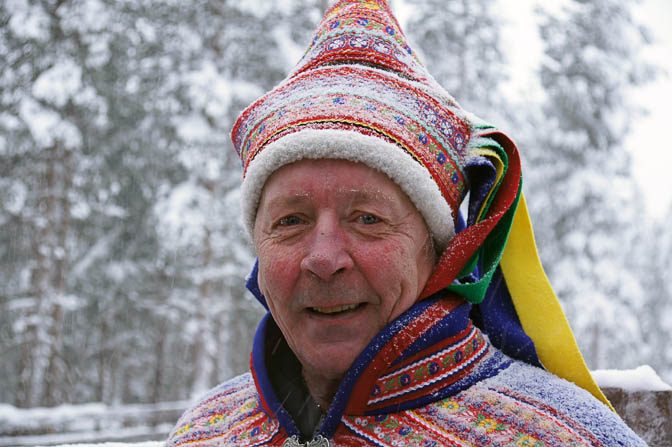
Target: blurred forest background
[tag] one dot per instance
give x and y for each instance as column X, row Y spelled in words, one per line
column 121, row 255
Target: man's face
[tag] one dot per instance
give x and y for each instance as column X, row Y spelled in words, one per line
column 342, row 252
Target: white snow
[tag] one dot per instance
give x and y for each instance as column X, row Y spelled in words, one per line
column 643, row 378
column 88, row 15
column 193, row 127
column 650, row 159
column 212, row 92
column 67, row 440
column 118, row 444
column 28, row 20
column 47, row 126
column 17, row 193
column 88, row 424
column 184, row 214
column 59, row 83
column 290, row 51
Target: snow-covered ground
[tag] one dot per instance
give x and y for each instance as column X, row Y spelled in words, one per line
column 82, row 439
column 89, row 423
column 643, row 378
column 118, row 444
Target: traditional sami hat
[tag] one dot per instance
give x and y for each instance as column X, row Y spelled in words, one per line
column 360, row 93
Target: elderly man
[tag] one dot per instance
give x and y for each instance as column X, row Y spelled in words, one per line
column 392, row 321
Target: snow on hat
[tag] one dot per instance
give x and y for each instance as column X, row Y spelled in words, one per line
column 360, row 93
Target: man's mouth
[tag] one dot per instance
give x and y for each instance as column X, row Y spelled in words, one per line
column 335, row 309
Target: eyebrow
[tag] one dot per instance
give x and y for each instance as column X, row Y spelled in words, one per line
column 285, row 200
column 366, row 195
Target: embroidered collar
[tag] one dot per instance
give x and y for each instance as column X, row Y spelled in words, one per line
column 430, row 352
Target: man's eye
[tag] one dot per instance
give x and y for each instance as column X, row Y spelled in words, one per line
column 289, row 221
column 368, row 219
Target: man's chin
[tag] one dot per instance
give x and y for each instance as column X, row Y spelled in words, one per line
column 331, row 363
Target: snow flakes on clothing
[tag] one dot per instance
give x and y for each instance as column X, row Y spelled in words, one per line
column 522, row 405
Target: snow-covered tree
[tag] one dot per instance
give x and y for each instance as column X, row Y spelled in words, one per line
column 122, row 260
column 238, row 53
column 585, row 201
column 654, row 262
column 44, row 95
column 461, row 48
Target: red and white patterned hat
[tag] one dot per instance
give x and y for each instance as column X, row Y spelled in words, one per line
column 360, row 93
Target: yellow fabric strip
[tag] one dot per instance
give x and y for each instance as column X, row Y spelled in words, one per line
column 496, row 160
column 538, row 308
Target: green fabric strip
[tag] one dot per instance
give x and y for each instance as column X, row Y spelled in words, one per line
column 486, row 143
column 490, row 254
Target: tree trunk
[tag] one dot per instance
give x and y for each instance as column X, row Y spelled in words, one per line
column 23, row 391
column 158, row 368
column 102, row 364
column 55, row 372
column 39, row 328
column 204, row 362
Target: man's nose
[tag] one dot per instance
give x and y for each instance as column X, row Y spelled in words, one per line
column 327, row 253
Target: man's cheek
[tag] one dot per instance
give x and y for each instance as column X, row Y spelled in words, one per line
column 275, row 273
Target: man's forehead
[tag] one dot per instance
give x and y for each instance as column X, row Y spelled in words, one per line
column 296, row 194
column 310, row 178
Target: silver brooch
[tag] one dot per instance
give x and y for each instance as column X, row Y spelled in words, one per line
column 320, row 441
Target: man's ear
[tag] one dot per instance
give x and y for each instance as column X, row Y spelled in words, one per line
column 261, row 283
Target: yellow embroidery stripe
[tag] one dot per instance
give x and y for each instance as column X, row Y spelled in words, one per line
column 495, row 159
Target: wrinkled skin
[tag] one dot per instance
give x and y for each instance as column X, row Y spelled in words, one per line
column 342, row 252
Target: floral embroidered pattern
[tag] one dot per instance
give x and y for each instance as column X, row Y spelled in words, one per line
column 377, row 39
column 482, row 417
column 372, row 23
column 477, row 417
column 341, row 42
column 234, row 419
column 389, row 430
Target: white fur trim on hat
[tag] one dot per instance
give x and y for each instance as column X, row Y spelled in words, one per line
column 374, row 152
